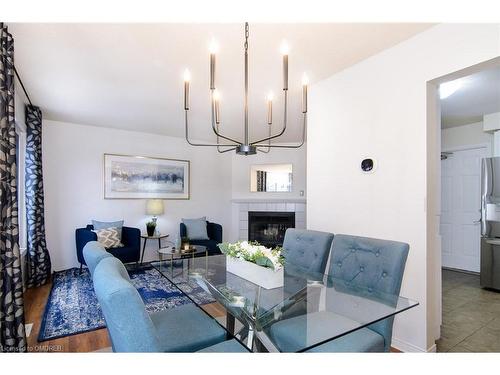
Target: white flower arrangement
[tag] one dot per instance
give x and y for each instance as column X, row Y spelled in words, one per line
column 255, row 253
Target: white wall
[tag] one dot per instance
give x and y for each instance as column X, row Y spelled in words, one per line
column 73, row 177
column 465, row 135
column 378, row 108
column 241, row 173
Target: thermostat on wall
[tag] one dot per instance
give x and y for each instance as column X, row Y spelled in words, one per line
column 368, row 165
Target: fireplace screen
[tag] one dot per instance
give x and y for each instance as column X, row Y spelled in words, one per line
column 268, row 228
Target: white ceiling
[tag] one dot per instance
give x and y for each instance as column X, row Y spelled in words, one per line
column 478, row 95
column 129, row 76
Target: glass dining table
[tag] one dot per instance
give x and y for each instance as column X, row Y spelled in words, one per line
column 316, row 308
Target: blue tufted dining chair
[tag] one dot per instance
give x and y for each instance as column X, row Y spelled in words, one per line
column 372, row 265
column 93, row 252
column 307, row 249
column 131, row 328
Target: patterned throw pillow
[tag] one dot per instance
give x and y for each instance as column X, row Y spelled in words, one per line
column 109, row 237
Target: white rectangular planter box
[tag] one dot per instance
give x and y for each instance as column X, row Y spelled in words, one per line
column 265, row 277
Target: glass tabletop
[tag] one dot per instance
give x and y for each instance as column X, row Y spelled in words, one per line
column 195, row 249
column 305, row 311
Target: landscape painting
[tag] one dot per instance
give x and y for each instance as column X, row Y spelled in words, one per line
column 129, row 177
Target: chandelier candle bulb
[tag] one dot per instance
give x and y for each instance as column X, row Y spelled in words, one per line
column 284, row 51
column 270, row 108
column 213, row 50
column 187, row 78
column 305, row 81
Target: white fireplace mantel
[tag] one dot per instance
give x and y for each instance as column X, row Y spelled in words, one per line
column 267, row 200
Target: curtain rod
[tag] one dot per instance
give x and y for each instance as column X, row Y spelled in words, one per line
column 22, row 85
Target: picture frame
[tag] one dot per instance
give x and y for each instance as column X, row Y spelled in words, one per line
column 145, row 177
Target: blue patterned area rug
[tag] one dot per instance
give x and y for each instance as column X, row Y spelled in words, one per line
column 72, row 306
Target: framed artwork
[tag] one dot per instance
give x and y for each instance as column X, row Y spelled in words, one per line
column 141, row 177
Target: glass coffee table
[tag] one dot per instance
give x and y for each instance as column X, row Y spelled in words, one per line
column 171, row 254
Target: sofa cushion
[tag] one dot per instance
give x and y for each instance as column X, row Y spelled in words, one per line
column 196, row 229
column 107, row 224
column 109, row 237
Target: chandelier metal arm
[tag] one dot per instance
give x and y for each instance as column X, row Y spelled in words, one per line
column 215, row 127
column 227, row 150
column 284, row 123
column 269, row 143
column 202, row 144
column 290, row 146
column 219, row 147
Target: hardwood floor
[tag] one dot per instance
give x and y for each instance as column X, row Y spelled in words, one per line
column 98, row 340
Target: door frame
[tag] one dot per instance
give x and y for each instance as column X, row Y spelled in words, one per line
column 475, row 146
column 433, row 199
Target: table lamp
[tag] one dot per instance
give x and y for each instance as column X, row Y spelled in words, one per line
column 154, row 207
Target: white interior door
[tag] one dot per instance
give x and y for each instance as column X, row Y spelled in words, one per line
column 460, row 209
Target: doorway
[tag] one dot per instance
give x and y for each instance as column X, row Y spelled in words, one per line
column 470, row 313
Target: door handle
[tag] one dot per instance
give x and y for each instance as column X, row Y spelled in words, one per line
column 476, row 222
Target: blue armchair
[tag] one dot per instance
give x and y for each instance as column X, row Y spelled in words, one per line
column 131, row 328
column 358, row 263
column 130, row 252
column 214, row 232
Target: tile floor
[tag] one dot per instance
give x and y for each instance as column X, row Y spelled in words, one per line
column 471, row 315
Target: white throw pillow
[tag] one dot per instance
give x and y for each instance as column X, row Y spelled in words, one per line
column 109, row 237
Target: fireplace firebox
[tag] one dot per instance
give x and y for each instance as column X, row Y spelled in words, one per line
column 268, row 228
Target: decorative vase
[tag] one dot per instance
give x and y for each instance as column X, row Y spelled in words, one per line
column 151, row 230
column 265, row 277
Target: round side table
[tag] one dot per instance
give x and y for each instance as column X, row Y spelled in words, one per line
column 154, row 237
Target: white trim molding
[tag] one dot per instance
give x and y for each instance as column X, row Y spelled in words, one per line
column 406, row 347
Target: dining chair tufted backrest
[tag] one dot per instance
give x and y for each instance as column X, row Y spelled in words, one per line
column 129, row 325
column 307, row 249
column 93, row 253
column 371, row 264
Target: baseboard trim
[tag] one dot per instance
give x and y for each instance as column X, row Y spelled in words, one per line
column 406, row 347
column 461, row 271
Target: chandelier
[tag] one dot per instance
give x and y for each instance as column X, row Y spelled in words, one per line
column 246, row 147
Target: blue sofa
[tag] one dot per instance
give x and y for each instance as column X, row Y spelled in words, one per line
column 214, row 232
column 131, row 239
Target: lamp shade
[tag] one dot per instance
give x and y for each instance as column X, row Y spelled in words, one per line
column 154, row 207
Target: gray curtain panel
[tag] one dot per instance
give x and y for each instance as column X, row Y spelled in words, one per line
column 12, row 334
column 38, row 256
